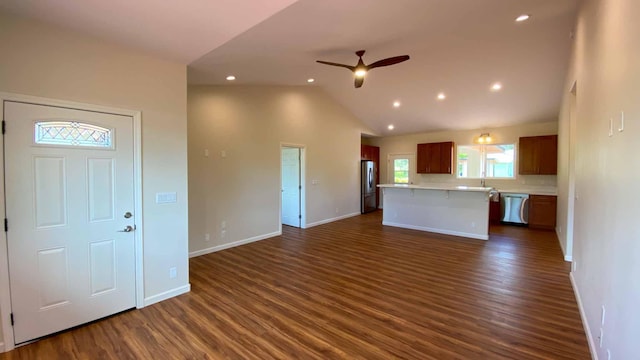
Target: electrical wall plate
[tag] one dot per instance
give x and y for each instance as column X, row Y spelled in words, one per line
column 166, row 197
column 621, row 128
column 610, row 127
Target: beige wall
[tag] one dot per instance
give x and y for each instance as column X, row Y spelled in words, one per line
column 566, row 168
column 249, row 123
column 504, row 135
column 43, row 61
column 606, row 252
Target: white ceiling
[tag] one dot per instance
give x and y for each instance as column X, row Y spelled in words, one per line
column 459, row 47
column 175, row 30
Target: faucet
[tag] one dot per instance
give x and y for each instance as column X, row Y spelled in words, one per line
column 482, row 182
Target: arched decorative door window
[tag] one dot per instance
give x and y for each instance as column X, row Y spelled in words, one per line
column 72, row 133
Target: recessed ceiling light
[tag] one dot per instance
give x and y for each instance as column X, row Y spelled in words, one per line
column 390, row 127
column 496, row 87
column 442, row 96
column 231, row 77
column 523, row 17
column 396, row 104
column 310, row 80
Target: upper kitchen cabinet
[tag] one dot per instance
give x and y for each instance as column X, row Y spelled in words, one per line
column 435, row 158
column 368, row 152
column 538, row 155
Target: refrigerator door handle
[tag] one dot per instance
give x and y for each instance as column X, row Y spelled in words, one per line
column 370, row 178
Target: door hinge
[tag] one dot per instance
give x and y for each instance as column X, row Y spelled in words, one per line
column 4, row 126
column 299, row 187
column 6, row 224
column 12, row 322
column 300, row 217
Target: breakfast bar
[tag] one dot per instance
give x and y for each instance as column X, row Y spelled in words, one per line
column 452, row 210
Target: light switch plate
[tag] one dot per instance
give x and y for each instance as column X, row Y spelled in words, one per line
column 166, row 197
column 621, row 128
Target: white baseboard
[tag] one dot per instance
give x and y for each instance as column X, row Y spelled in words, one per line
column 233, row 244
column 439, row 231
column 585, row 324
column 167, row 295
column 564, row 252
column 262, row 237
column 326, row 221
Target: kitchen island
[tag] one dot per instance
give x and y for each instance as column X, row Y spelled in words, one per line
column 452, row 210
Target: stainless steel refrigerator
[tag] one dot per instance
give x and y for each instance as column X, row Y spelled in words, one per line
column 367, row 186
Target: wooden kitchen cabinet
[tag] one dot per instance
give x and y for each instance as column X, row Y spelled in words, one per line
column 538, row 155
column 494, row 212
column 369, row 152
column 542, row 212
column 435, row 158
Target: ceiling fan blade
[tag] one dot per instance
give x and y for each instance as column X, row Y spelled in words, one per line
column 352, row 68
column 359, row 81
column 389, row 61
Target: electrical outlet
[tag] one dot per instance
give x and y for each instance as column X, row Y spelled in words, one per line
column 223, row 233
column 206, row 152
column 207, row 237
column 173, row 272
column 223, row 225
column 602, row 315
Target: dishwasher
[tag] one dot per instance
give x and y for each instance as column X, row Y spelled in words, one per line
column 514, row 208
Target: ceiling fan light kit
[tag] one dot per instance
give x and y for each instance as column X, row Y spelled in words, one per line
column 360, row 69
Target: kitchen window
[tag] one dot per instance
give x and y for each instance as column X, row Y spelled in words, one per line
column 486, row 161
column 399, row 169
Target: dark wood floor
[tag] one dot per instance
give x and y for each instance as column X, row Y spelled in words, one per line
column 353, row 289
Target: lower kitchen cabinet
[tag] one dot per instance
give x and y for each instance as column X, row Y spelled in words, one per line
column 542, row 212
column 494, row 212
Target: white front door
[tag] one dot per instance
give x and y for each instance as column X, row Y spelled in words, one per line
column 69, row 204
column 291, row 186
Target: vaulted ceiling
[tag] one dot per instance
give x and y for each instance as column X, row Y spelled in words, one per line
column 457, row 47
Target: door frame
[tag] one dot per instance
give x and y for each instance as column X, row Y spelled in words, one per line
column 303, row 197
column 136, row 115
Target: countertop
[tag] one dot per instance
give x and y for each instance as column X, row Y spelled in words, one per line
column 533, row 190
column 437, row 187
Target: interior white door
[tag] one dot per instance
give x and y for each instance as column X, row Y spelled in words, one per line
column 291, row 186
column 69, row 202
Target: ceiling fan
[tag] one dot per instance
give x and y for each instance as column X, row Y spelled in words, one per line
column 360, row 70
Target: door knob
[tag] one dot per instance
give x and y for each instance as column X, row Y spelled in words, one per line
column 127, row 215
column 128, row 228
